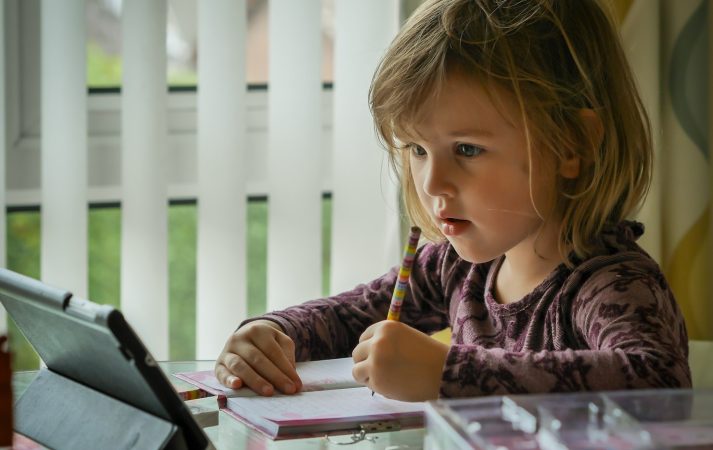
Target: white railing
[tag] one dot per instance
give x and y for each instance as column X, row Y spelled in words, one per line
column 221, row 279
column 217, row 146
column 64, row 147
column 144, row 233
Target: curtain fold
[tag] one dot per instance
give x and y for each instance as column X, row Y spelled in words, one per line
column 668, row 44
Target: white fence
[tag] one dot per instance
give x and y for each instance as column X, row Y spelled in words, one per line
column 144, row 146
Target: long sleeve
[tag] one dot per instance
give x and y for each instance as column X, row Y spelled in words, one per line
column 616, row 328
column 330, row 327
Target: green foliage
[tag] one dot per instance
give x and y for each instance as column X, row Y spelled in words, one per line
column 326, row 244
column 105, row 255
column 23, row 256
column 182, row 282
column 257, row 257
column 103, row 69
column 182, row 77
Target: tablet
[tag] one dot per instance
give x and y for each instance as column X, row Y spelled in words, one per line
column 94, row 346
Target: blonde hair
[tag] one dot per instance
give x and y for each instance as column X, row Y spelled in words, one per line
column 557, row 58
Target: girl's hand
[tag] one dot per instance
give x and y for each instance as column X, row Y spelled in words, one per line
column 399, row 362
column 261, row 357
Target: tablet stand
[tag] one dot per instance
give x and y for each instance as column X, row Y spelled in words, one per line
column 60, row 413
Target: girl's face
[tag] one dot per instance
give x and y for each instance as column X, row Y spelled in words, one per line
column 472, row 173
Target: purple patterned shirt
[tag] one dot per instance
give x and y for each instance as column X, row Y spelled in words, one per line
column 609, row 323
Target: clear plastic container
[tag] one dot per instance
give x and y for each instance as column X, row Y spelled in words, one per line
column 620, row 420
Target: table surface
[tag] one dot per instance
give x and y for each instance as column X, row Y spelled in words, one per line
column 232, row 434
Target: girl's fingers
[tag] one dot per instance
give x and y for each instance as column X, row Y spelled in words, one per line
column 238, row 366
column 270, row 361
column 362, row 366
column 360, row 372
column 361, row 352
column 261, row 357
column 288, row 350
column 287, row 346
column 226, row 378
column 369, row 332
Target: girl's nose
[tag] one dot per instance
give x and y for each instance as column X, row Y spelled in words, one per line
column 438, row 180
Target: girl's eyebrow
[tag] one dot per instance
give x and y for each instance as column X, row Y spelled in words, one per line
column 471, row 132
column 478, row 132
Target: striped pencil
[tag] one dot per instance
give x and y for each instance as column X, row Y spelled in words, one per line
column 404, row 273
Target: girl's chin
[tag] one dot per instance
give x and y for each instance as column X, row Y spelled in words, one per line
column 469, row 254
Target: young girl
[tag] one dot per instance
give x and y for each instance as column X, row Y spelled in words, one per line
column 522, row 146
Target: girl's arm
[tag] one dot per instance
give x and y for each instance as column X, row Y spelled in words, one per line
column 626, row 318
column 330, row 327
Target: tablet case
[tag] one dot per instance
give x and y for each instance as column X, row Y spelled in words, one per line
column 102, row 388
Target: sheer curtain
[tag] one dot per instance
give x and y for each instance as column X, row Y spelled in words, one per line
column 669, row 46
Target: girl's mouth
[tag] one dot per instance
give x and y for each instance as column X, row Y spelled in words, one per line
column 452, row 227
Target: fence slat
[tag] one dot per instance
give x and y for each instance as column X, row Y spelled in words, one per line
column 144, row 260
column 294, row 241
column 221, row 280
column 64, row 145
column 365, row 210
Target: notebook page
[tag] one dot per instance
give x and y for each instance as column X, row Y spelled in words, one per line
column 330, row 405
column 315, row 375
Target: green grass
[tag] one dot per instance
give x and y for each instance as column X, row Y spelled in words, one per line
column 257, row 258
column 182, row 226
column 104, row 70
column 23, row 256
column 104, row 255
column 326, row 243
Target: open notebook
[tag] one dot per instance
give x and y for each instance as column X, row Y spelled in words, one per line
column 330, row 400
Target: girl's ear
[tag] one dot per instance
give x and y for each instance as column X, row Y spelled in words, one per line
column 569, row 167
column 593, row 124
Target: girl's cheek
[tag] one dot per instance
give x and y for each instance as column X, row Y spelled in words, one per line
column 422, row 197
column 417, row 182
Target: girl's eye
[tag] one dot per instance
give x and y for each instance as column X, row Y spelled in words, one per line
column 417, row 150
column 469, row 150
